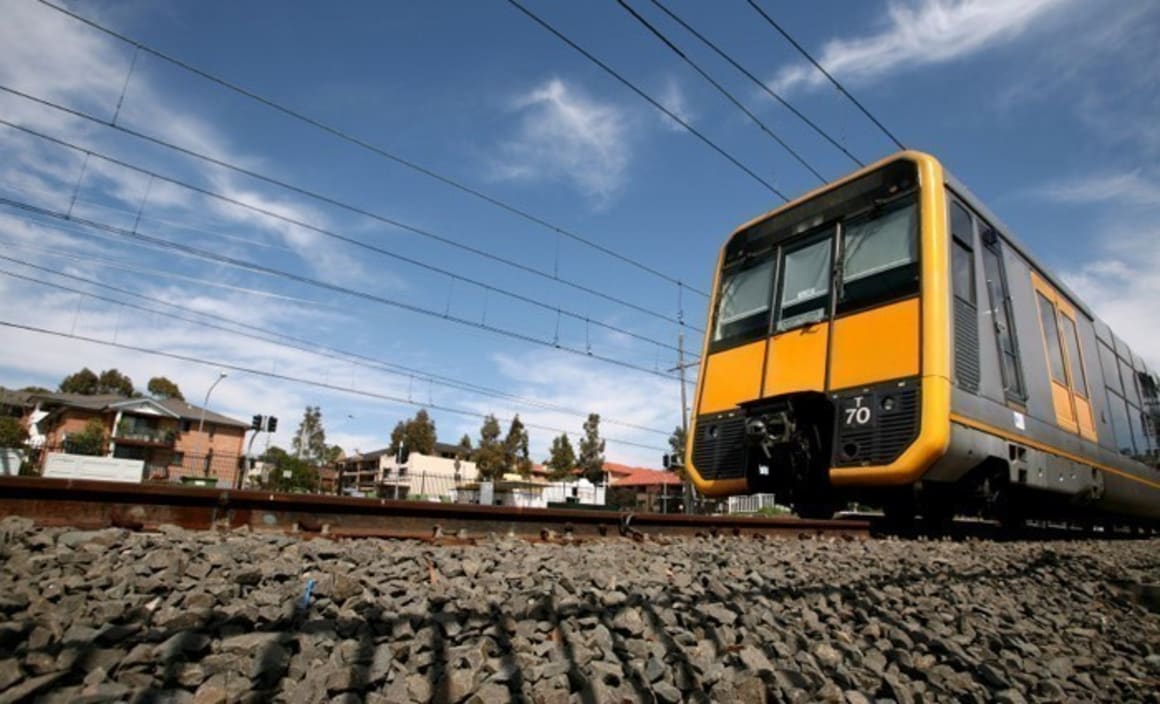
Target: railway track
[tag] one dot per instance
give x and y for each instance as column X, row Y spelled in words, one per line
column 97, row 504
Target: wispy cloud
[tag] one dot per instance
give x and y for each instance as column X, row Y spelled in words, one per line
column 672, row 96
column 1131, row 188
column 1121, row 284
column 586, row 386
column 920, row 33
column 566, row 136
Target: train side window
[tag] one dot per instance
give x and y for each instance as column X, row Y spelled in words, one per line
column 1001, row 315
column 1071, row 339
column 1121, row 425
column 963, row 265
column 1110, row 368
column 1129, row 378
column 961, row 223
column 1051, row 339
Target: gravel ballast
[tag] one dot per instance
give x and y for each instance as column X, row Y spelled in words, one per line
column 176, row 616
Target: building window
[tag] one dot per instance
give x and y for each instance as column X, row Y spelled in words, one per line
column 177, row 459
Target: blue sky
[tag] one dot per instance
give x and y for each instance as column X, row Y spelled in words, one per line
column 1048, row 109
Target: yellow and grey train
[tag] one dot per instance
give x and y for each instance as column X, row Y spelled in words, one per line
column 885, row 339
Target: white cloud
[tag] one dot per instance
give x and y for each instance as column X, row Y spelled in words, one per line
column 920, row 33
column 567, row 137
column 1132, row 188
column 672, row 96
column 1122, row 285
column 624, row 399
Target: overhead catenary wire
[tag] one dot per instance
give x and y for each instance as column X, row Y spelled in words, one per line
column 650, row 100
column 272, row 271
column 329, row 200
column 722, row 90
column 221, row 365
column 760, row 83
column 291, row 342
column 153, row 175
column 801, row 50
column 366, row 145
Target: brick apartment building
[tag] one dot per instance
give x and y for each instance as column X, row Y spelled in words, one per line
column 162, row 433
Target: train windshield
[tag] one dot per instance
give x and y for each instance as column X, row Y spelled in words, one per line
column 744, row 300
column 780, row 273
column 880, row 255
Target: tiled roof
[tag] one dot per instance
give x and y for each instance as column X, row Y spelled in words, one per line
column 648, row 477
column 100, row 402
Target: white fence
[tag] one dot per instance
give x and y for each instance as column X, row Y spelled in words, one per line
column 751, row 503
column 62, row 466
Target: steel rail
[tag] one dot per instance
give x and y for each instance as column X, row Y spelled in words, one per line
column 89, row 504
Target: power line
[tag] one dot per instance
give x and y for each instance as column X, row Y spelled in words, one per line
column 114, row 264
column 342, row 238
column 286, row 377
column 296, row 343
column 339, row 204
column 251, row 266
column 721, row 89
column 773, row 23
column 652, row 101
column 360, row 142
column 760, row 83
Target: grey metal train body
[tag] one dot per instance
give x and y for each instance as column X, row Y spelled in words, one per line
column 1044, row 394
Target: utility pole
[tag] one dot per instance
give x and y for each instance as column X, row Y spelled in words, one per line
column 680, row 369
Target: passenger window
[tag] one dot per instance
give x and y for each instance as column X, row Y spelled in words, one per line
column 1110, row 368
column 1071, row 339
column 1121, row 426
column 1051, row 339
column 1001, row 316
column 961, row 223
column 963, row 264
column 805, row 291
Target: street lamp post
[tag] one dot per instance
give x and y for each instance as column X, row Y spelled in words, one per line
column 201, row 423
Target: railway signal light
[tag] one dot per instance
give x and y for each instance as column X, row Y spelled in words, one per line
column 271, row 424
column 256, row 423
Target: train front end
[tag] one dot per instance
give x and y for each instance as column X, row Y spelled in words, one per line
column 825, row 366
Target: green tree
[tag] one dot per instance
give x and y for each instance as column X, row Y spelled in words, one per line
column 91, row 441
column 309, row 442
column 162, row 387
column 420, row 433
column 489, row 456
column 677, row 445
column 334, row 453
column 398, row 435
column 591, row 461
column 463, row 452
column 83, row 382
column 289, row 473
column 415, row 435
column 35, row 390
column 562, row 460
column 515, row 448
column 112, row 381
column 12, row 432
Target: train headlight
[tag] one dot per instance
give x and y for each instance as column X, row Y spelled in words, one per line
column 888, row 403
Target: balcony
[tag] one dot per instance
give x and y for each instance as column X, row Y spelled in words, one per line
column 145, row 437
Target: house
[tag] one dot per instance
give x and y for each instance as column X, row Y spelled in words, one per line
column 652, row 490
column 379, row 473
column 163, row 433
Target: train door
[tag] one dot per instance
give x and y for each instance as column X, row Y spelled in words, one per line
column 1065, row 362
